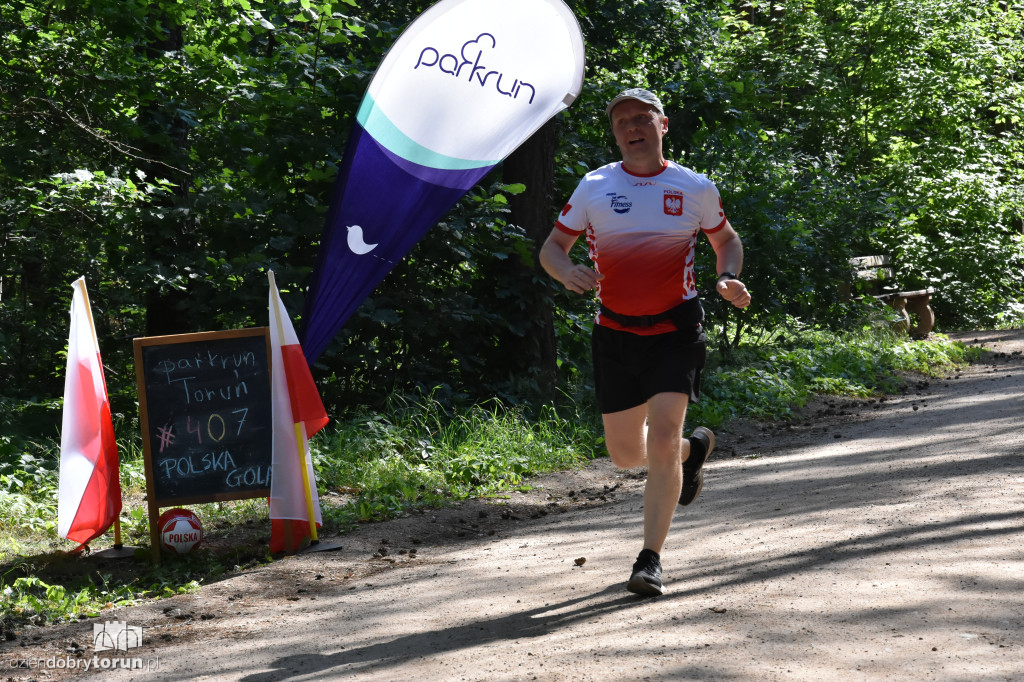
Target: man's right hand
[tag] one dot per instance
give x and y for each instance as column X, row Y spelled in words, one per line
column 580, row 278
column 554, row 258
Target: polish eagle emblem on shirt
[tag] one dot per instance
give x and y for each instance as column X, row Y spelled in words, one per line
column 673, row 203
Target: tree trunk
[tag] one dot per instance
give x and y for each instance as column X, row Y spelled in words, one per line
column 165, row 232
column 533, row 164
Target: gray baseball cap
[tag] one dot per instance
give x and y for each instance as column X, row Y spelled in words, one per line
column 639, row 94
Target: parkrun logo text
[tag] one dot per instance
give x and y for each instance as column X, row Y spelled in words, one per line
column 467, row 65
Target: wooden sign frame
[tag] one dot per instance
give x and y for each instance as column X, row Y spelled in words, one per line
column 155, row 497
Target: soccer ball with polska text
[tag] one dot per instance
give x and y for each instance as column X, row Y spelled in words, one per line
column 180, row 531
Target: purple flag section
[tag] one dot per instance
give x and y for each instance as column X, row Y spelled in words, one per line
column 344, row 277
column 462, row 87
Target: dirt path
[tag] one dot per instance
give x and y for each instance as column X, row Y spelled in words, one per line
column 874, row 540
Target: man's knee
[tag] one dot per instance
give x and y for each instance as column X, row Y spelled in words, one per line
column 664, row 447
column 625, row 436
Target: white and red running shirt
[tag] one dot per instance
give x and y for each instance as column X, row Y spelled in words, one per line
column 642, row 232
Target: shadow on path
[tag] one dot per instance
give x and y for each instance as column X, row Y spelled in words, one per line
column 536, row 622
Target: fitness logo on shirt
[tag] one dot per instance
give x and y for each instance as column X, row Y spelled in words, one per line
column 620, row 204
column 673, row 202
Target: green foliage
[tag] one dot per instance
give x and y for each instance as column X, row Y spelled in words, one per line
column 768, row 382
column 33, row 600
column 171, row 153
column 28, row 492
column 30, row 599
column 833, row 129
column 425, row 455
column 441, row 315
column 373, row 467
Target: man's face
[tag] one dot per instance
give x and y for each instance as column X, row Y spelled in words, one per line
column 638, row 129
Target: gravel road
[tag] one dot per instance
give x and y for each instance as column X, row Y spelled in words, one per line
column 869, row 540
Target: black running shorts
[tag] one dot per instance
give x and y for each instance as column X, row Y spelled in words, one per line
column 630, row 369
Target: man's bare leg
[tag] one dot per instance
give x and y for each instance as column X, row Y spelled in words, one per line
column 651, row 435
column 665, row 415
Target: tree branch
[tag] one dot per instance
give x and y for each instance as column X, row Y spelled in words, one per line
column 120, row 147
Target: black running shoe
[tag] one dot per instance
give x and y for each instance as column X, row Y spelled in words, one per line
column 646, row 577
column 702, row 444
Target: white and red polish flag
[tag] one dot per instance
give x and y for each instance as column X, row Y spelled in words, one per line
column 89, row 489
column 298, row 414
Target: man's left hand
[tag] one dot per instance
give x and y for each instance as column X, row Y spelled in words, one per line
column 734, row 291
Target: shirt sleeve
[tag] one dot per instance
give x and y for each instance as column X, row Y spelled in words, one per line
column 712, row 213
column 573, row 219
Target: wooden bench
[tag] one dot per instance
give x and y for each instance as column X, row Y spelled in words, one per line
column 874, row 276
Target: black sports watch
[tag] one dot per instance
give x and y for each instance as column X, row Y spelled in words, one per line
column 727, row 275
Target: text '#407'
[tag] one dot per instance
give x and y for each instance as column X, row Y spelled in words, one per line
column 216, row 428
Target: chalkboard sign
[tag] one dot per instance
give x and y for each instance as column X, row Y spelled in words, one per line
column 205, row 412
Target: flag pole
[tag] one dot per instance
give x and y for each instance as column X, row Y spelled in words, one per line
column 299, row 440
column 80, row 283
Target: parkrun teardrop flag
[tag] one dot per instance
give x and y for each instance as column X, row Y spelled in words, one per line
column 465, row 84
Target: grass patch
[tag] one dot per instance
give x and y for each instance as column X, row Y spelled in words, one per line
column 370, row 467
column 419, row 454
column 768, row 382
